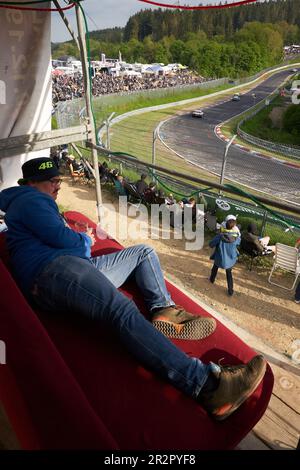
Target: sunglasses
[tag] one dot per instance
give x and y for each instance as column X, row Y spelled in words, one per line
column 55, row 181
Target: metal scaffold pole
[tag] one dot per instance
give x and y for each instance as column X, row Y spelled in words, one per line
column 87, row 87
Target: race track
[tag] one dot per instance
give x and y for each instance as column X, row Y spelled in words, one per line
column 195, row 140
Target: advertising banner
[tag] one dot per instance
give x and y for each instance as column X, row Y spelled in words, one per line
column 25, row 82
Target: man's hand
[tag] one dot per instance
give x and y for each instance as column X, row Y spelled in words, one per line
column 90, row 233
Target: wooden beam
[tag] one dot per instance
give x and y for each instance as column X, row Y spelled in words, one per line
column 43, row 140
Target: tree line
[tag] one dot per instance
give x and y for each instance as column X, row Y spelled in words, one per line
column 223, row 22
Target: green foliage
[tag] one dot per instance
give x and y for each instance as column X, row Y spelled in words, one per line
column 54, row 124
column 159, row 23
column 261, row 125
column 291, row 120
column 112, row 35
column 121, row 104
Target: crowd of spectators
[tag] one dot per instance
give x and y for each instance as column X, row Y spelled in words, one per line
column 149, row 194
column 67, row 87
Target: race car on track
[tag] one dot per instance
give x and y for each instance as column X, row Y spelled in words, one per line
column 236, row 97
column 198, row 113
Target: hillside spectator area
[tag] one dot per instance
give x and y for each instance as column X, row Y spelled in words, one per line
column 67, row 87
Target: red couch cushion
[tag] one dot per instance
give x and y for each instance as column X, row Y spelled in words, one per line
column 74, row 376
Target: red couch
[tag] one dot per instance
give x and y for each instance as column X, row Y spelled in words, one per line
column 69, row 383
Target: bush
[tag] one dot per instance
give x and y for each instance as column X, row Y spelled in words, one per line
column 291, row 120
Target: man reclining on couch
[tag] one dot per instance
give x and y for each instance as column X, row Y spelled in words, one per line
column 54, row 269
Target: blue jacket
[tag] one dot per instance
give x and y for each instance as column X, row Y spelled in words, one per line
column 37, row 233
column 226, row 253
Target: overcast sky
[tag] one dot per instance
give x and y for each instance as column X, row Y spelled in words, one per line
column 105, row 14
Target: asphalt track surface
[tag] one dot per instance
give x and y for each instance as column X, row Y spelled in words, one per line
column 195, row 140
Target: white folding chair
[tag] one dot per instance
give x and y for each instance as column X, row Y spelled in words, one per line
column 286, row 258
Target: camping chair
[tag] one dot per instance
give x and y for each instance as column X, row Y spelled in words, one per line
column 210, row 221
column 251, row 250
column 133, row 196
column 288, row 259
column 88, row 177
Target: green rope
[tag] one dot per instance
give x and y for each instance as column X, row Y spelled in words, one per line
column 115, row 154
column 153, row 175
column 286, row 221
column 119, row 154
column 87, row 36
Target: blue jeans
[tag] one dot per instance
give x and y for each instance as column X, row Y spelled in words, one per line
column 141, row 263
column 89, row 288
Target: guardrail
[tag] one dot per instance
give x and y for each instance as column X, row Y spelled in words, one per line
column 278, row 148
column 287, row 150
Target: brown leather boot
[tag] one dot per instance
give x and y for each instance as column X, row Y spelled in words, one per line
column 175, row 322
column 236, row 384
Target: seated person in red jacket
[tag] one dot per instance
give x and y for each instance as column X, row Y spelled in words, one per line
column 150, row 194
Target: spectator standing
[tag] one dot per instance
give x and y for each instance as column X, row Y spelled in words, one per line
column 235, row 228
column 225, row 254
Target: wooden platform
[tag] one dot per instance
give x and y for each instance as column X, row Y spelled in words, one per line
column 279, row 428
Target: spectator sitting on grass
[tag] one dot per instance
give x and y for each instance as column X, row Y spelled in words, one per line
column 76, row 169
column 141, row 185
column 261, row 243
column 150, row 194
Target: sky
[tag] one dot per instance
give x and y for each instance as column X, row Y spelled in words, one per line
column 103, row 14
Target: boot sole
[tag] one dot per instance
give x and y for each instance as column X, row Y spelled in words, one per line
column 243, row 398
column 199, row 328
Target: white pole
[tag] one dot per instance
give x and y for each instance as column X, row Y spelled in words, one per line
column 87, row 84
column 154, row 149
column 225, row 159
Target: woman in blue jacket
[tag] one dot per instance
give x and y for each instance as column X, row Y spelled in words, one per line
column 225, row 254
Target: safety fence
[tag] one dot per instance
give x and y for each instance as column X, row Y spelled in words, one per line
column 281, row 226
column 287, row 150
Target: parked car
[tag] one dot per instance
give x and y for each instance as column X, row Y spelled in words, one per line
column 236, row 97
column 198, row 113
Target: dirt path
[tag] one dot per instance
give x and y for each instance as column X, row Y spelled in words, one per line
column 260, row 308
